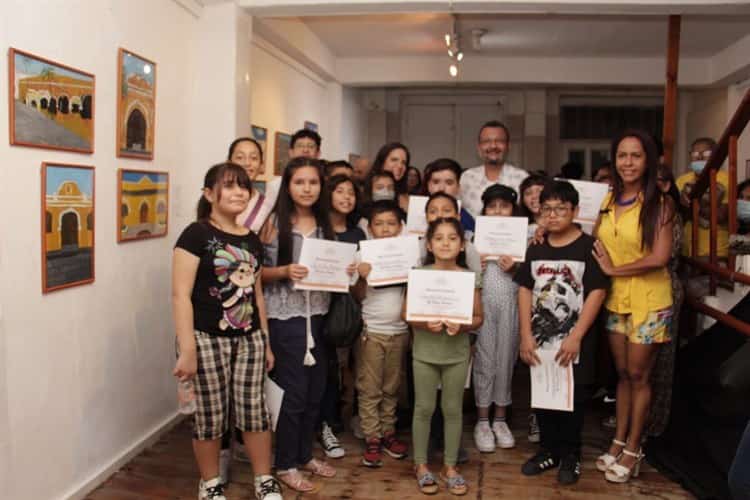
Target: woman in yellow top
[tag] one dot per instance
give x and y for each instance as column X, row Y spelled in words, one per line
column 634, row 246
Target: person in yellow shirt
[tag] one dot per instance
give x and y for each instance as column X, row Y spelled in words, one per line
column 634, row 247
column 700, row 152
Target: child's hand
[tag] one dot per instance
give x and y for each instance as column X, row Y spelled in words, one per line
column 569, row 349
column 435, row 326
column 528, row 351
column 296, row 272
column 270, row 359
column 602, row 257
column 483, row 261
column 364, row 269
column 186, row 365
column 452, row 328
column 538, row 237
column 506, row 263
column 351, row 269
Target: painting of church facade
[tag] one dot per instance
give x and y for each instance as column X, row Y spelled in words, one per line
column 67, row 226
column 136, row 106
column 51, row 105
column 144, row 204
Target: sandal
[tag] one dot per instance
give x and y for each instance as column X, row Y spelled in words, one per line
column 456, row 484
column 294, row 480
column 427, row 483
column 618, row 473
column 319, row 468
column 605, row 461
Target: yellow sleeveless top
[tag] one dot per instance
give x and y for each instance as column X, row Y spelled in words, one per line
column 635, row 295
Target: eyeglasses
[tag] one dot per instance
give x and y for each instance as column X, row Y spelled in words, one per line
column 305, row 147
column 700, row 155
column 560, row 210
column 490, row 142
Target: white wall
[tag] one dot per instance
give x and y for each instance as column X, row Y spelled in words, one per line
column 354, row 124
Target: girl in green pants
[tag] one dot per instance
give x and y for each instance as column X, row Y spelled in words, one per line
column 441, row 355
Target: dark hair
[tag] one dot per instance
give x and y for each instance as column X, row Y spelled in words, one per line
column 560, row 190
column 494, row 124
column 438, row 166
column 601, row 166
column 741, row 186
column 418, row 188
column 667, row 176
column 306, row 134
column 331, row 165
column 571, row 170
column 384, row 206
column 442, row 194
column 371, row 180
column 500, row 192
column 331, row 185
column 532, row 180
column 379, row 163
column 704, row 140
column 216, row 176
column 432, row 228
column 285, row 208
column 243, row 139
column 651, row 204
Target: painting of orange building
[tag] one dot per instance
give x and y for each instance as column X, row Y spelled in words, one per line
column 144, row 204
column 136, row 106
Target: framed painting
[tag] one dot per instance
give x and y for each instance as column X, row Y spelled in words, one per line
column 282, row 143
column 67, row 226
column 143, row 204
column 136, row 106
column 260, row 134
column 51, row 105
column 311, row 126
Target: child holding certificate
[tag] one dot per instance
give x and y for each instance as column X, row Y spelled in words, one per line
column 561, row 290
column 441, row 355
column 383, row 346
column 497, row 342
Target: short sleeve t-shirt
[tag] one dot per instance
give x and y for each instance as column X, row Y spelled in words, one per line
column 223, row 297
column 560, row 279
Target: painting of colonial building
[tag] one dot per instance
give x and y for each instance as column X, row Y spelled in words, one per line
column 144, row 204
column 67, row 226
column 136, row 106
column 52, row 105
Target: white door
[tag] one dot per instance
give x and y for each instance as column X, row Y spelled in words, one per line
column 429, row 132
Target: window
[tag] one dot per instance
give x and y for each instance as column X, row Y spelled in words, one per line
column 582, row 122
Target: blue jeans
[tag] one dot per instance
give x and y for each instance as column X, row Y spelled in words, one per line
column 739, row 472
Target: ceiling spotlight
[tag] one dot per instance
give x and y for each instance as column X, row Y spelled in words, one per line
column 453, row 70
column 450, row 53
column 460, row 56
column 447, row 40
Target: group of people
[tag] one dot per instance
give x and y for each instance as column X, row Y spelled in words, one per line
column 239, row 316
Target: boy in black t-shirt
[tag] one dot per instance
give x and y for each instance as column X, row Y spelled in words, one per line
column 561, row 290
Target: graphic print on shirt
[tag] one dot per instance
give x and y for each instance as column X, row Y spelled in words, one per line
column 558, row 299
column 235, row 269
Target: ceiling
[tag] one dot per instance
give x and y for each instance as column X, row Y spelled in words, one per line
column 524, row 35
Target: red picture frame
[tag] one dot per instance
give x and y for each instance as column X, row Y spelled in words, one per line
column 137, row 224
column 136, row 115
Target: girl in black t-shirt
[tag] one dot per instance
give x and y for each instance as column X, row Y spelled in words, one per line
column 222, row 330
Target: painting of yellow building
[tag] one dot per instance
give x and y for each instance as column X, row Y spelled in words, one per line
column 136, row 108
column 144, row 204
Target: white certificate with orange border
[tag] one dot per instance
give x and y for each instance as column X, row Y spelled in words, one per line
column 495, row 236
column 435, row 295
column 551, row 384
column 326, row 262
column 390, row 259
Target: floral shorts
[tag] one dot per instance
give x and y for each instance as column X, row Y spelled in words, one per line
column 655, row 330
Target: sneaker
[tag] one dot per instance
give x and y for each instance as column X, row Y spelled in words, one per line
column 541, row 462
column 392, row 446
column 534, row 435
column 372, row 456
column 211, row 490
column 225, row 460
column 484, row 438
column 267, row 488
column 239, row 453
column 570, row 469
column 503, row 435
column 356, row 427
column 330, row 442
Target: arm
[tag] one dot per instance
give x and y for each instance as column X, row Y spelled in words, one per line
column 528, row 343
column 260, row 301
column 184, row 270
column 359, row 289
column 571, row 346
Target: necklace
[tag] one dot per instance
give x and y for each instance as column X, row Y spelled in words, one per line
column 626, row 203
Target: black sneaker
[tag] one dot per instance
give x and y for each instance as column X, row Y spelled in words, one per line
column 541, row 462
column 570, row 469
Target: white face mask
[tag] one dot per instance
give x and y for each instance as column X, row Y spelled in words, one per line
column 383, row 194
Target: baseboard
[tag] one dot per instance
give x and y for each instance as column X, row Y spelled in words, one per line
column 80, row 491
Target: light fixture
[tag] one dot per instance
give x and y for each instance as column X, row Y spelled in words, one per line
column 450, row 53
column 453, row 42
column 453, row 69
column 447, row 40
column 459, row 56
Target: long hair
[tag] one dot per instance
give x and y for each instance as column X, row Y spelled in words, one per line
column 651, row 217
column 432, row 228
column 402, row 186
column 352, row 217
column 215, row 178
column 243, row 139
column 530, row 181
column 285, row 208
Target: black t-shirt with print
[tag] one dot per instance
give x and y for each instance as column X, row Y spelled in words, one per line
column 224, row 291
column 560, row 279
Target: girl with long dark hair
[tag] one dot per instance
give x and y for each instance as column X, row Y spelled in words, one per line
column 394, row 157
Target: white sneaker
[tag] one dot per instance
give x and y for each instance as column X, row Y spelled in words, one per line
column 356, row 425
column 267, row 488
column 225, row 460
column 534, row 433
column 330, row 443
column 503, row 435
column 211, row 490
column 484, row 438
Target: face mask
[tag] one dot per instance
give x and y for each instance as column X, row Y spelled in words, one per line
column 697, row 166
column 743, row 210
column 383, row 194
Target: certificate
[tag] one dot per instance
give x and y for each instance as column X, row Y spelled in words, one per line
column 416, row 219
column 495, row 236
column 390, row 258
column 590, row 198
column 274, row 397
column 326, row 262
column 435, row 295
column 551, row 384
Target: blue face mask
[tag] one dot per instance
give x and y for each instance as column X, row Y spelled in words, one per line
column 697, row 166
column 743, row 210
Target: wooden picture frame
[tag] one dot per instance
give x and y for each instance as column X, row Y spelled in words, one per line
column 51, row 105
column 282, row 144
column 142, row 204
column 136, row 106
column 260, row 134
column 67, row 225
